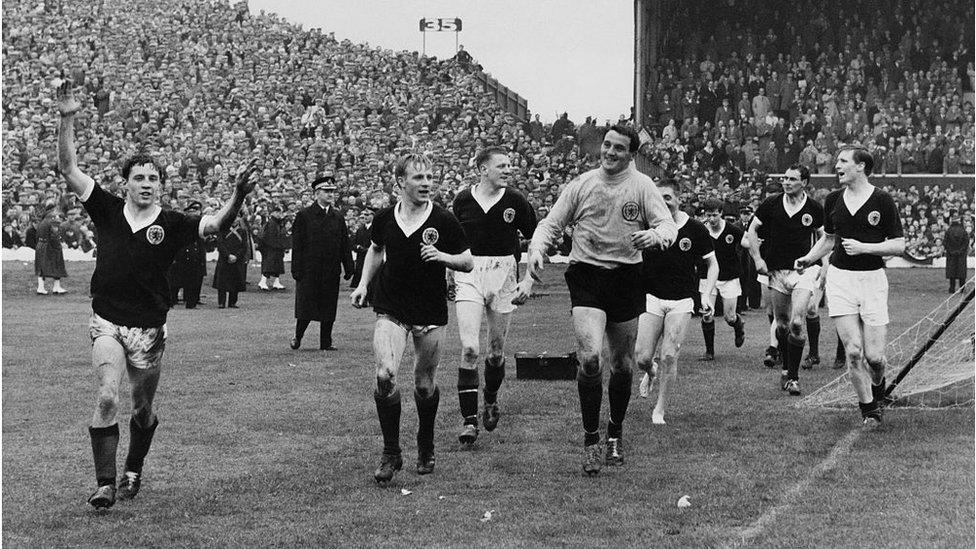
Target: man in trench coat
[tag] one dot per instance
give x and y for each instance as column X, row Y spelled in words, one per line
column 320, row 245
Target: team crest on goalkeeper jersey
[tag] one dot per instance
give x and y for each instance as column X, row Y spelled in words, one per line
column 508, row 215
column 630, row 211
column 684, row 244
column 807, row 220
column 155, row 234
column 430, row 236
column 729, row 239
column 874, row 217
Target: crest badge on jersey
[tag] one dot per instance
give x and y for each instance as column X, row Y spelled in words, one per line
column 807, row 220
column 630, row 211
column 684, row 244
column 430, row 236
column 874, row 217
column 508, row 215
column 729, row 239
column 155, row 234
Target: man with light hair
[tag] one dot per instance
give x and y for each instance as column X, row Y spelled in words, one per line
column 411, row 245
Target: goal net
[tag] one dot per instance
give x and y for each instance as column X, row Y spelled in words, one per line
column 931, row 364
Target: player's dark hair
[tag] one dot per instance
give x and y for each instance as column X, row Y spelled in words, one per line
column 485, row 154
column 671, row 183
column 410, row 159
column 804, row 171
column 142, row 159
column 860, row 155
column 713, row 205
column 628, row 132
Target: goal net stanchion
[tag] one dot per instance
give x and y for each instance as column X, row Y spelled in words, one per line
column 934, row 362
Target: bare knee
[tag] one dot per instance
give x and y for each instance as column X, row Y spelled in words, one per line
column 645, row 361
column 107, row 403
column 495, row 358
column 385, row 381
column 796, row 327
column 590, row 365
column 854, row 354
column 669, row 364
column 469, row 354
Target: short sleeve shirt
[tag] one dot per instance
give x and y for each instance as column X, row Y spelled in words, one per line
column 129, row 285
column 494, row 232
column 407, row 288
column 875, row 221
column 788, row 237
column 670, row 273
column 727, row 245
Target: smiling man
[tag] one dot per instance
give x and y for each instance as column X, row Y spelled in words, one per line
column 616, row 212
column 137, row 242
column 861, row 227
column 411, row 245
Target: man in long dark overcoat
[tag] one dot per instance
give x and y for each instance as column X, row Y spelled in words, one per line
column 320, row 245
column 189, row 267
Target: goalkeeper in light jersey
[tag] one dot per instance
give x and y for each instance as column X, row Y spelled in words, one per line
column 617, row 212
column 861, row 226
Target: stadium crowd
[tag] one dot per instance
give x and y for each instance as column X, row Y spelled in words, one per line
column 202, row 84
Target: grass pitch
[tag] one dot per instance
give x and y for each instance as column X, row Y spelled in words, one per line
column 262, row 446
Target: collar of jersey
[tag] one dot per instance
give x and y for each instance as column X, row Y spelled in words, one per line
column 485, row 206
column 684, row 220
column 410, row 229
column 148, row 220
column 786, row 207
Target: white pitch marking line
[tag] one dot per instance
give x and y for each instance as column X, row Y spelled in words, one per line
column 841, row 448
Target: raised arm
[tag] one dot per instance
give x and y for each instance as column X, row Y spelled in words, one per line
column 68, row 107
column 224, row 218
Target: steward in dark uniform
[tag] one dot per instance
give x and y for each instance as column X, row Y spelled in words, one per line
column 320, row 245
column 230, row 274
column 189, row 267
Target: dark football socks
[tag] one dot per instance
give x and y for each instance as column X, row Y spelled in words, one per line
column 590, row 395
column 782, row 343
column 878, row 390
column 426, row 414
column 140, row 438
column 105, row 443
column 388, row 410
column 813, row 335
column 795, row 345
column 467, row 386
column 494, row 374
column 708, row 330
column 618, row 395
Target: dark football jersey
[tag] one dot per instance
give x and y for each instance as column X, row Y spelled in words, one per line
column 129, row 285
column 495, row 232
column 727, row 245
column 788, row 237
column 876, row 221
column 670, row 273
column 407, row 288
